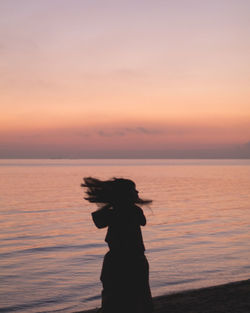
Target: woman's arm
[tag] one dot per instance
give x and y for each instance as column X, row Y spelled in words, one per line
column 141, row 217
column 103, row 217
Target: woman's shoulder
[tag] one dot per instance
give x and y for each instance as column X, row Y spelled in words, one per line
column 103, row 217
column 136, row 207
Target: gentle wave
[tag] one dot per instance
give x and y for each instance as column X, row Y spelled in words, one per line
column 52, row 249
column 43, row 302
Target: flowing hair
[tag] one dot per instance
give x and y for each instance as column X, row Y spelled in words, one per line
column 110, row 191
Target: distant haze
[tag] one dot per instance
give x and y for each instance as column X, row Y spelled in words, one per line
column 124, row 79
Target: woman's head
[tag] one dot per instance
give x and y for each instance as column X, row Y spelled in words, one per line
column 113, row 191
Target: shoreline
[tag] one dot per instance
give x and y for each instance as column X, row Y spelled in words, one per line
column 227, row 298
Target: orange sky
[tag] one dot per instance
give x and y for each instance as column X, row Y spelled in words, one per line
column 125, row 76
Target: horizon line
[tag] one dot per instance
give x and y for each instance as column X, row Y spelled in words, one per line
column 127, row 158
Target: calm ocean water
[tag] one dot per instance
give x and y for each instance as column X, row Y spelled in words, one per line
column 197, row 235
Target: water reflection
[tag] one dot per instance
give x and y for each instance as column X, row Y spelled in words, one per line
column 197, row 234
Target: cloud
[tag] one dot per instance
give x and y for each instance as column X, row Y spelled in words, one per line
column 245, row 148
column 128, row 130
column 247, row 145
column 110, row 133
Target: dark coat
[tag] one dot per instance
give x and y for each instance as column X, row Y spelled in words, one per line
column 124, row 231
column 125, row 270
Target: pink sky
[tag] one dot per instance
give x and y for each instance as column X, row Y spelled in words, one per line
column 124, row 78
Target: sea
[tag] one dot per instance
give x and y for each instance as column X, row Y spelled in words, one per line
column 197, row 232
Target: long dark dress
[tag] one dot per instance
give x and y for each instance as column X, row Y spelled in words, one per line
column 125, row 270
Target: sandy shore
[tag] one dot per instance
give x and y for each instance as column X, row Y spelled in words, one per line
column 229, row 298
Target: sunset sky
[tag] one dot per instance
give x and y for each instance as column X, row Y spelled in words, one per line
column 95, row 79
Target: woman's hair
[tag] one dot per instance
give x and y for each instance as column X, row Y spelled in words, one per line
column 111, row 191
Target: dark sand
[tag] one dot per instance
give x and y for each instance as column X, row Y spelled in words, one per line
column 229, row 298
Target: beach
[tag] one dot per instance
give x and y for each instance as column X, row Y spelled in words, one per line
column 228, row 298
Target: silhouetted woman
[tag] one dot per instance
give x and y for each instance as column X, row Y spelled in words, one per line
column 125, row 270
